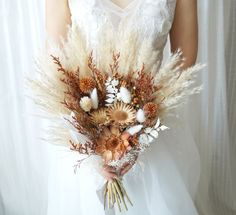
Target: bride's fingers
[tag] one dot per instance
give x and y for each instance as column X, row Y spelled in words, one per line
column 125, row 169
column 109, row 168
column 108, row 173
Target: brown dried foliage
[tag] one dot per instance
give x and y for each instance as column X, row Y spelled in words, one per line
column 144, row 86
column 99, row 77
column 87, row 148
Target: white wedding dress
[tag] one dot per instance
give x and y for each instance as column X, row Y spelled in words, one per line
column 164, row 180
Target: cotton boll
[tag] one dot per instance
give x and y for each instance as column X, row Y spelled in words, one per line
column 140, row 116
column 125, row 95
column 94, row 98
column 86, row 103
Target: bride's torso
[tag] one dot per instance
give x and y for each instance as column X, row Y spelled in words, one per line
column 152, row 19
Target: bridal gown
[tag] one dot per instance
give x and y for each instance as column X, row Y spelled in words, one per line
column 165, row 178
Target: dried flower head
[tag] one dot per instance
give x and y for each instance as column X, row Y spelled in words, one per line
column 99, row 117
column 86, row 103
column 111, row 148
column 121, row 114
column 87, row 84
column 151, row 109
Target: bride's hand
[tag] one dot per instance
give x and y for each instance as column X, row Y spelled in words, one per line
column 126, row 167
column 109, row 173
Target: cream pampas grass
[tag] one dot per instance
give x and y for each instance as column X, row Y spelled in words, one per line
column 175, row 84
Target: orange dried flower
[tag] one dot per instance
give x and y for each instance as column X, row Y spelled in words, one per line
column 151, row 109
column 112, row 145
column 87, row 84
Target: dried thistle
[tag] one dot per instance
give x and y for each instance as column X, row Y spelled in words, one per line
column 151, row 109
column 87, row 84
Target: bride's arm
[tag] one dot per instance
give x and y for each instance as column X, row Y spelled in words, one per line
column 58, row 17
column 184, row 32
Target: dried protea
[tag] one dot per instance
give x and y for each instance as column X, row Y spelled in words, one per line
column 121, row 114
column 151, row 109
column 87, row 84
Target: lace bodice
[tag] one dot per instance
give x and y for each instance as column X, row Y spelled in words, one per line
column 150, row 18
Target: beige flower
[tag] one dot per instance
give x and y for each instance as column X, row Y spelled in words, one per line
column 86, row 103
column 121, row 114
column 100, row 117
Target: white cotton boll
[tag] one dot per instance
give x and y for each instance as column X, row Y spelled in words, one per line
column 86, row 103
column 94, row 98
column 140, row 116
column 134, row 129
column 125, row 95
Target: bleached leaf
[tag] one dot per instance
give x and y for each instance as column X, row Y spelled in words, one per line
column 157, row 123
column 163, row 127
column 140, row 116
column 114, row 83
column 94, row 98
column 134, row 129
column 150, row 138
column 154, row 133
column 110, row 100
column 148, row 130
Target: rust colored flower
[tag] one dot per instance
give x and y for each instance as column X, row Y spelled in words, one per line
column 112, row 145
column 87, row 84
column 151, row 109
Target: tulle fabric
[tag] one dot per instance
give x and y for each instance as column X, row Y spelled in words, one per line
column 162, row 182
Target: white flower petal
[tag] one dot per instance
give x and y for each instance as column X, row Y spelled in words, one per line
column 150, row 138
column 140, row 116
column 157, row 123
column 154, row 133
column 114, row 82
column 110, row 100
column 163, row 127
column 148, row 130
column 134, row 129
column 94, row 98
column 111, row 96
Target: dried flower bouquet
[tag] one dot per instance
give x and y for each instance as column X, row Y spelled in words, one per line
column 115, row 104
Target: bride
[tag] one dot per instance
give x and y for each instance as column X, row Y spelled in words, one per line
column 164, row 179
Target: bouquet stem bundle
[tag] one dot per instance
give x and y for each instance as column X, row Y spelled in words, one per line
column 115, row 193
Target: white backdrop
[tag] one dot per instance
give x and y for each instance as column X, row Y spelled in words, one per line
column 24, row 159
